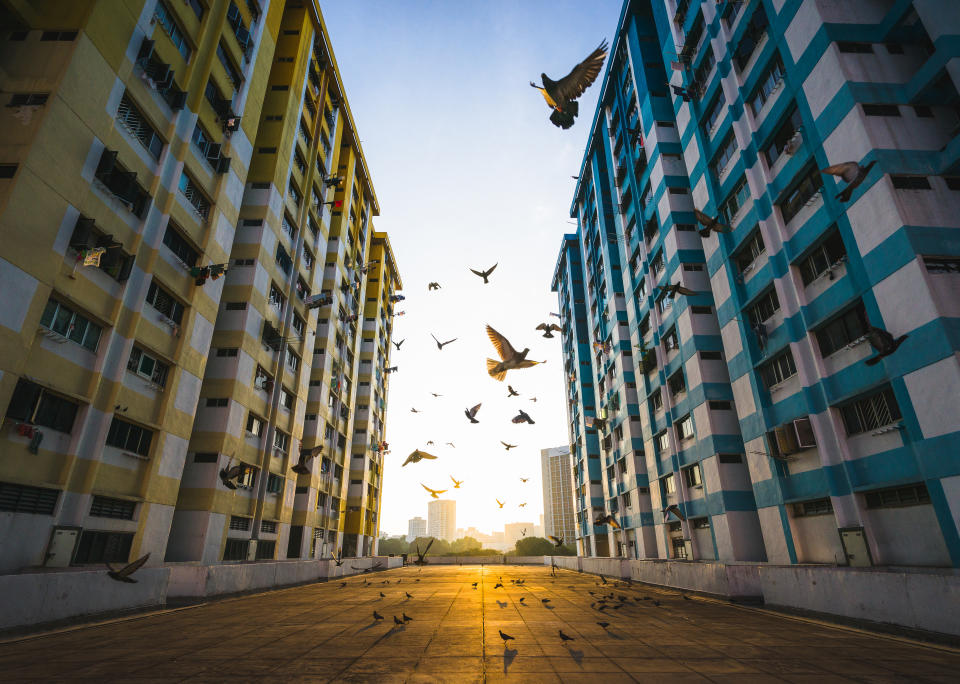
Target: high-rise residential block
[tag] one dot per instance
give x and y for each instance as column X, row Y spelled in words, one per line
column 559, row 519
column 764, row 421
column 416, row 527
column 442, row 519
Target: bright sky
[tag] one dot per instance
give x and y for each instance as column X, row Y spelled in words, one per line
column 469, row 172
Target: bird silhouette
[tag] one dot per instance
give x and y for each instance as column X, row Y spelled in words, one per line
column 456, row 483
column 377, row 616
column 561, row 95
column 382, row 595
column 451, row 445
column 123, row 574
column 498, row 585
column 548, row 329
column 523, row 532
column 484, row 274
column 533, row 399
column 522, row 417
column 500, row 502
column 397, row 344
column 433, row 286
column 416, row 456
column 475, row 584
column 429, row 442
column 512, row 392
column 505, row 637
column 710, row 224
column 522, row 505
column 408, row 594
column 433, row 492
column 508, row 447
column 406, row 618
column 522, row 599
column 564, row 637
column 604, row 625
column 607, row 520
column 391, row 369
column 557, row 541
column 435, row 395
column 337, row 558
column 850, row 172
column 303, row 463
column 510, row 358
column 421, row 560
column 545, row 601
column 524, row 479
column 230, row 473
column 471, row 413
column 883, row 343
column 414, row 410
column 441, row 345
column 397, row 621
column 674, row 289
column 675, row 509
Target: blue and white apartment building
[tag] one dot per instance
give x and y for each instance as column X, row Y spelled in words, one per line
column 754, row 420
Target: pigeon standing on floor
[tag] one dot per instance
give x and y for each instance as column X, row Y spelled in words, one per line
column 377, row 616
column 850, row 172
column 505, row 637
column 564, row 637
column 123, row 574
column 485, row 274
column 510, row 358
column 561, row 96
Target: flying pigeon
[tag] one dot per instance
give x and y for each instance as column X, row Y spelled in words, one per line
column 416, row 456
column 710, row 224
column 441, row 345
column 433, row 492
column 435, row 395
column 852, row 173
column 675, row 509
column 337, row 559
column 523, row 504
column 500, row 502
column 397, row 344
column 429, row 442
column 510, row 359
column 451, row 445
column 522, row 417
column 391, row 369
column 508, row 447
column 533, row 399
column 607, row 520
column 471, row 413
column 557, row 541
column 413, row 410
column 484, row 274
column 524, row 479
column 433, row 286
column 230, row 473
column 523, row 532
column 512, row 392
column 548, row 329
column 421, row 560
column 456, row 483
column 123, row 574
column 561, row 95
column 302, row 466
column 883, row 343
column 674, row 289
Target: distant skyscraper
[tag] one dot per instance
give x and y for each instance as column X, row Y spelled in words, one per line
column 416, row 527
column 558, row 517
column 514, row 532
column 442, row 519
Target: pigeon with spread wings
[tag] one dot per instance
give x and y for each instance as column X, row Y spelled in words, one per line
column 522, row 417
column 500, row 503
column 548, row 329
column 510, row 358
column 416, row 456
column 883, row 343
column 397, row 344
column 433, row 492
column 433, row 286
column 123, row 574
column 710, row 224
column 508, row 447
column 852, row 173
column 420, row 554
column 231, row 473
column 471, row 413
column 303, row 463
column 441, row 345
column 607, row 520
column 557, row 541
column 561, row 96
column 456, row 482
column 674, row 289
column 512, row 392
column 485, row 274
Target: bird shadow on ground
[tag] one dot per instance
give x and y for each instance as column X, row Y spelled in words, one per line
column 577, row 656
column 548, row 607
column 614, row 635
column 370, row 626
column 502, row 605
column 508, row 656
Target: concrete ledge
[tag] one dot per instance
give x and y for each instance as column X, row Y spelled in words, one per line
column 736, row 582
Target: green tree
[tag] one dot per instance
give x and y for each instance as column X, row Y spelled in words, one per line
column 465, row 544
column 535, row 546
column 439, row 547
column 392, row 546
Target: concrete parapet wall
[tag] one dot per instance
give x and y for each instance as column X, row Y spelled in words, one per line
column 565, row 562
column 733, row 581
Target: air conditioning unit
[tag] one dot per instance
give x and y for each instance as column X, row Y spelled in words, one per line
column 786, row 438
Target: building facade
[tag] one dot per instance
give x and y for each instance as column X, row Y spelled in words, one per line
column 559, row 519
column 771, row 427
column 442, row 519
column 514, row 532
column 416, row 527
column 164, row 235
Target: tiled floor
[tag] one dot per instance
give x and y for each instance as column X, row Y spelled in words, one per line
column 327, row 632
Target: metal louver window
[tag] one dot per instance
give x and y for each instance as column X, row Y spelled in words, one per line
column 136, row 124
column 239, row 523
column 16, row 498
column 872, row 412
column 106, row 507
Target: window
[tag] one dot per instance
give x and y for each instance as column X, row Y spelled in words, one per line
column 828, row 253
column 281, row 441
column 656, row 264
column 778, row 369
column 129, row 437
column 173, row 238
column 769, row 83
column 194, row 196
column 240, row 32
column 754, row 33
column 254, row 425
column 148, row 366
column 711, row 356
column 842, row 330
column 298, row 327
column 716, row 111
column 670, row 340
column 232, row 72
column 720, row 406
column 663, row 442
column 63, row 320
column 748, row 252
column 910, row 182
column 65, row 36
column 730, row 458
column 235, row 550
column 859, row 48
column 283, row 260
column 802, row 192
column 196, row 7
column 17, row 498
column 121, row 183
column 700, row 523
column 274, row 486
column 781, row 139
column 239, row 523
column 135, row 123
column 34, row 404
column 676, row 383
column 205, row 457
column 766, row 305
column 266, row 550
column 105, row 507
column 895, row 497
column 693, row 476
column 881, row 110
column 235, row 306
column 8, row 170
column 28, row 99
column 679, row 548
column 695, row 309
column 286, row 399
column 805, row 509
column 103, row 547
column 727, row 149
column 227, row 351
column 165, row 19
column 669, row 484
column 873, row 411
column 163, row 301
column 217, row 402
column 684, row 428
column 735, row 201
column 941, row 265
